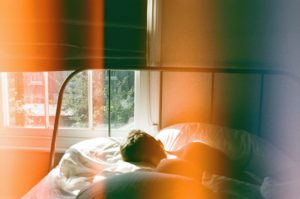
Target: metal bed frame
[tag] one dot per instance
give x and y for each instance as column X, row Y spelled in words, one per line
column 212, row 71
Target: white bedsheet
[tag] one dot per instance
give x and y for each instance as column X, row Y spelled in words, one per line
column 82, row 164
column 99, row 158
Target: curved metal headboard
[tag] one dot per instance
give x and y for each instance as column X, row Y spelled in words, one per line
column 262, row 72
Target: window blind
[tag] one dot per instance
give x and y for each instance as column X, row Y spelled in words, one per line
column 71, row 34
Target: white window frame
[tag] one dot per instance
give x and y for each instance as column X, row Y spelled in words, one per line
column 4, row 102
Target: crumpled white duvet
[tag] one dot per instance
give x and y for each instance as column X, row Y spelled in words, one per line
column 82, row 164
column 96, row 159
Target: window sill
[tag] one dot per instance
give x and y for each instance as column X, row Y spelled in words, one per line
column 40, row 138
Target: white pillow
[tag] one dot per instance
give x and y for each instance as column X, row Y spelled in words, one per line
column 255, row 153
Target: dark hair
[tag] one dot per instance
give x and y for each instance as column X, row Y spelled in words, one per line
column 142, row 147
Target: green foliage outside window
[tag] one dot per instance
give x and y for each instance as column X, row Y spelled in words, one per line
column 75, row 102
column 121, row 99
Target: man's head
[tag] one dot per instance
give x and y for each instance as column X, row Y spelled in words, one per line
column 142, row 147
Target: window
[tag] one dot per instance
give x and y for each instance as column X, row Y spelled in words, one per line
column 92, row 99
column 94, row 102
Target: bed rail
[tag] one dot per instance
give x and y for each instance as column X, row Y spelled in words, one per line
column 212, row 71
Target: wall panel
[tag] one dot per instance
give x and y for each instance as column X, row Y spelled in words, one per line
column 281, row 113
column 236, row 101
column 186, row 97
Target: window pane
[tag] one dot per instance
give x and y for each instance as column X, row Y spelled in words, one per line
column 99, row 106
column 122, row 99
column 55, row 81
column 26, row 99
column 75, row 102
column 32, row 99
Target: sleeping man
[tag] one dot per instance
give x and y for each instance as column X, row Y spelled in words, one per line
column 179, row 177
column 191, row 160
column 143, row 150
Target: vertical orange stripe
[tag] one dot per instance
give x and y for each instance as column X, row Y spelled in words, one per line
column 29, row 30
column 95, row 36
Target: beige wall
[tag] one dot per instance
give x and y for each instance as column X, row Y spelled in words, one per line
column 187, row 97
column 238, row 102
column 188, row 33
column 214, row 33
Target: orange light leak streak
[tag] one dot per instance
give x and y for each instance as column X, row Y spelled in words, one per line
column 95, row 33
column 190, row 37
column 29, row 35
column 95, row 41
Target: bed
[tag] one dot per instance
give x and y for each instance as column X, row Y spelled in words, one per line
column 89, row 164
column 97, row 160
column 228, row 41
